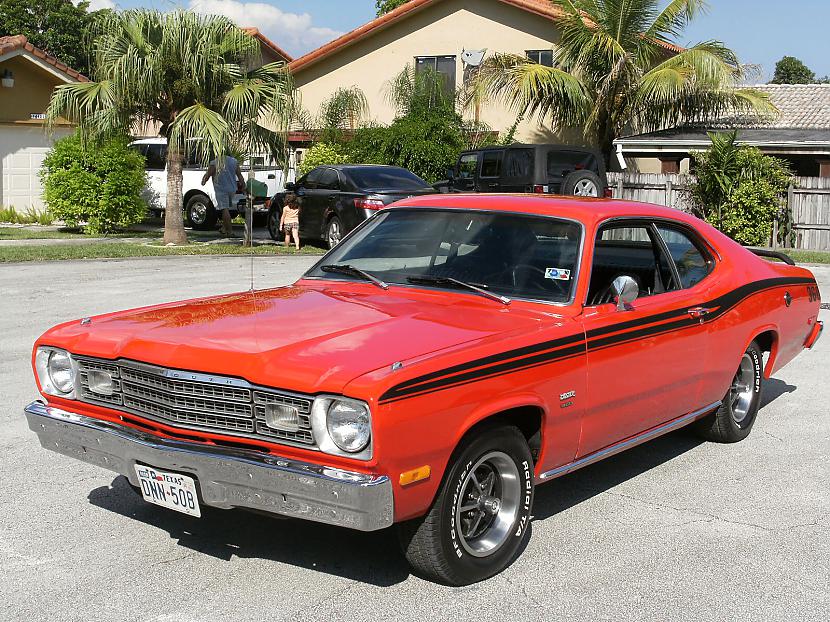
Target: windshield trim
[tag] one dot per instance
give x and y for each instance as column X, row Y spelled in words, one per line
column 577, row 267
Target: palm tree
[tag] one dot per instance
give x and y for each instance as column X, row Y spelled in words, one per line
column 345, row 110
column 617, row 69
column 195, row 78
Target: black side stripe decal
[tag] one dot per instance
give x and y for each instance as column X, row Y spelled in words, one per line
column 572, row 345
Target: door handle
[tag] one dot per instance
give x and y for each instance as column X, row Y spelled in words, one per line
column 699, row 312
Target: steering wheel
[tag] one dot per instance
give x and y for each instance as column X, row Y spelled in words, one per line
column 560, row 286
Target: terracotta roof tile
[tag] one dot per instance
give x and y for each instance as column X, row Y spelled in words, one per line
column 254, row 32
column 20, row 42
column 543, row 8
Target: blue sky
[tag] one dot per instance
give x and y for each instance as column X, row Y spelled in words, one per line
column 760, row 31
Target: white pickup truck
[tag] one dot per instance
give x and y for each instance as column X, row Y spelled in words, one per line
column 198, row 200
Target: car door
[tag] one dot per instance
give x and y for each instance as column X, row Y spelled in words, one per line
column 646, row 362
column 466, row 171
column 489, row 175
column 311, row 207
column 328, row 190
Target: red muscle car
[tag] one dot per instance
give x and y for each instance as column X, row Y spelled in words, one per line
column 445, row 358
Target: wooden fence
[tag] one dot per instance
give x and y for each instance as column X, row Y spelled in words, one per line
column 808, row 199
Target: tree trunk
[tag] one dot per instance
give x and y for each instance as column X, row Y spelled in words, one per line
column 174, row 232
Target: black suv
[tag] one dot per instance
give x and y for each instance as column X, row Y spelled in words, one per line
column 335, row 199
column 543, row 169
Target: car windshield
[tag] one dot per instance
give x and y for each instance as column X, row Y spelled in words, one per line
column 513, row 255
column 386, row 178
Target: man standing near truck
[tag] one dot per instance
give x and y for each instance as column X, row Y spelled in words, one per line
column 227, row 183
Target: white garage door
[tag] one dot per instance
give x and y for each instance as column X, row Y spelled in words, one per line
column 22, row 150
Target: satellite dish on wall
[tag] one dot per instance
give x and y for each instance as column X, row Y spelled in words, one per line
column 473, row 58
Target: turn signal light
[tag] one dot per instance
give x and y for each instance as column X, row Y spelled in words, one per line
column 415, row 475
column 372, row 204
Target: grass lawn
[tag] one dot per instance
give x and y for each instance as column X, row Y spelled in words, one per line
column 107, row 250
column 800, row 256
column 37, row 233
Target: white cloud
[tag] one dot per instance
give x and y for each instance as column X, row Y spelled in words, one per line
column 97, row 5
column 294, row 32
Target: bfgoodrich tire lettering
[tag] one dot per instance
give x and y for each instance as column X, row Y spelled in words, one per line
column 481, row 516
column 733, row 420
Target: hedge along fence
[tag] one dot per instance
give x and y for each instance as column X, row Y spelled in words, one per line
column 808, row 200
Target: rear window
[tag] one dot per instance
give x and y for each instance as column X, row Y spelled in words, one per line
column 386, row 178
column 561, row 163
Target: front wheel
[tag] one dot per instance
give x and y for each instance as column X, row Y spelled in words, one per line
column 481, row 515
column 733, row 420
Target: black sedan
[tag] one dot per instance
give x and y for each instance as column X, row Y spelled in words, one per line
column 335, row 199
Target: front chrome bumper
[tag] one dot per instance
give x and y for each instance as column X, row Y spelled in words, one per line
column 227, row 477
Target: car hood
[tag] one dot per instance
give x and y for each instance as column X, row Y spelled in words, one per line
column 313, row 337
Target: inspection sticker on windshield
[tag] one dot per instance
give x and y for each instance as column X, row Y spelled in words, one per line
column 558, row 274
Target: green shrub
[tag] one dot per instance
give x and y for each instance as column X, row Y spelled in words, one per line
column 96, row 184
column 739, row 190
column 323, row 153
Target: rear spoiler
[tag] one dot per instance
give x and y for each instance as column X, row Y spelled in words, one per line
column 771, row 254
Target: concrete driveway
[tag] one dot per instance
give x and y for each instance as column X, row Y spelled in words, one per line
column 673, row 530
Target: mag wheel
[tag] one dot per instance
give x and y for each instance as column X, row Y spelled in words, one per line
column 334, row 232
column 733, row 420
column 481, row 516
column 200, row 213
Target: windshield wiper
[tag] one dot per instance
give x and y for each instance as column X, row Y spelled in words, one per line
column 446, row 280
column 352, row 271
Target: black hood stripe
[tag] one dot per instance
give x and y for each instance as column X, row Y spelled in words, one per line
column 572, row 345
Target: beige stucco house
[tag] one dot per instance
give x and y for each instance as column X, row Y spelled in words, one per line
column 29, row 75
column 433, row 33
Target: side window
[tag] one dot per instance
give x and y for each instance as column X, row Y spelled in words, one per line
column 690, row 260
column 156, row 157
column 467, row 165
column 629, row 250
column 518, row 164
column 329, row 180
column 491, row 163
column 312, row 180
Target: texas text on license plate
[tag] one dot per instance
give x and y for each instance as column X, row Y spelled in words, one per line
column 169, row 490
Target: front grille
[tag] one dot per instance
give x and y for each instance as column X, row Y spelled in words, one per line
column 195, row 401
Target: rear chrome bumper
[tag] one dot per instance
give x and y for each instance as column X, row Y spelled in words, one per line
column 227, row 478
column 814, row 334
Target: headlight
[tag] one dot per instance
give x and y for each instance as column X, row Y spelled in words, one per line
column 55, row 372
column 348, row 425
column 342, row 426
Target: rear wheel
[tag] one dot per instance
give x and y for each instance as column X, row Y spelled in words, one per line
column 200, row 213
column 274, row 215
column 733, row 420
column 481, row 515
column 334, row 232
column 582, row 184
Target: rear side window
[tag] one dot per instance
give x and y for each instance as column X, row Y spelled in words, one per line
column 519, row 164
column 383, row 178
column 329, row 180
column 467, row 166
column 691, row 262
column 491, row 163
column 562, row 163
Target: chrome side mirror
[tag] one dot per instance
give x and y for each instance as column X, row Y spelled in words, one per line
column 625, row 291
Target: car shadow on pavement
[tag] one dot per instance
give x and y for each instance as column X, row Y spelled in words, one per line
column 570, row 490
column 372, row 557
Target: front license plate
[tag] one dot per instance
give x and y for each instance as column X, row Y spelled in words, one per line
column 169, row 490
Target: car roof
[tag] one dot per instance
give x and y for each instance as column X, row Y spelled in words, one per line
column 545, row 146
column 586, row 210
column 348, row 167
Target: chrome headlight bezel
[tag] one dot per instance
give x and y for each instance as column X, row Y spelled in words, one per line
column 324, row 435
column 47, row 367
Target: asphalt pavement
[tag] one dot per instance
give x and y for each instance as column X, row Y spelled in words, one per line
column 675, row 529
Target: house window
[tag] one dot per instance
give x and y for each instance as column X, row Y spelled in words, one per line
column 445, row 65
column 541, row 57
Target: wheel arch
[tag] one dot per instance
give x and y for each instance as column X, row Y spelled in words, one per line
column 194, row 192
column 768, row 338
column 527, row 415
